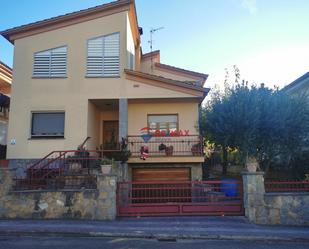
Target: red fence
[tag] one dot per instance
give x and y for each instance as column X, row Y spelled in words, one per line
column 286, row 186
column 180, row 198
column 191, row 145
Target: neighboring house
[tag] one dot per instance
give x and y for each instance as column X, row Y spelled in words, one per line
column 84, row 75
column 5, row 92
column 299, row 87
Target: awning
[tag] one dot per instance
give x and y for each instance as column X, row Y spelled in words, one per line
column 4, row 100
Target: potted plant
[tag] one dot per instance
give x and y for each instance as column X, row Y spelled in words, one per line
column 196, row 149
column 106, row 166
column 74, row 165
column 169, row 150
column 252, row 164
column 162, row 147
column 122, row 156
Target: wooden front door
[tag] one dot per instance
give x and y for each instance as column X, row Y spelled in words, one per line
column 110, row 135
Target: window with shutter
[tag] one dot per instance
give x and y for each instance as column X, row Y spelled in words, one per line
column 103, row 56
column 47, row 124
column 50, row 63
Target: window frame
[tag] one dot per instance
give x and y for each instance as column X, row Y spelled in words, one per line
column 49, row 76
column 46, row 136
column 119, row 60
column 163, row 114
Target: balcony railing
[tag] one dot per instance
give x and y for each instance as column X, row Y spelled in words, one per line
column 191, row 145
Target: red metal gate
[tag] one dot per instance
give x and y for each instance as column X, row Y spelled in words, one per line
column 223, row 197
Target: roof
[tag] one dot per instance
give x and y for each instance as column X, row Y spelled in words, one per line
column 69, row 19
column 6, row 67
column 151, row 54
column 5, row 82
column 296, row 82
column 183, row 84
column 202, row 76
column 5, row 70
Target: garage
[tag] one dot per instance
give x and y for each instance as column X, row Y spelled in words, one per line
column 161, row 174
column 159, row 191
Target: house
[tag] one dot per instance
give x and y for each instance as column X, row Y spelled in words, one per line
column 299, row 87
column 83, row 75
column 5, row 91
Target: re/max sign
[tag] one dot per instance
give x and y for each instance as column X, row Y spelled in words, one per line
column 158, row 133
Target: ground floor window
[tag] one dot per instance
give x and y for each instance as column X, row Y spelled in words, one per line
column 47, row 124
column 163, row 123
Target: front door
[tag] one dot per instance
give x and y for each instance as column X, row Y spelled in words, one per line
column 110, row 135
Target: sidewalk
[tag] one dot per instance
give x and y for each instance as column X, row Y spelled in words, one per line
column 233, row 228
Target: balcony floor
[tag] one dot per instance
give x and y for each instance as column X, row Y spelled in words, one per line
column 168, row 159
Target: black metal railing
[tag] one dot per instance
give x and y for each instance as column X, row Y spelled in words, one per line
column 191, row 145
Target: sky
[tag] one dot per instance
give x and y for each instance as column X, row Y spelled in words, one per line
column 268, row 40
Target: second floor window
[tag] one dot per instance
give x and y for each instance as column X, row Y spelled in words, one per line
column 50, row 63
column 103, row 56
column 163, row 123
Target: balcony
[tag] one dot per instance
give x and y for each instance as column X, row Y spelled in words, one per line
column 147, row 149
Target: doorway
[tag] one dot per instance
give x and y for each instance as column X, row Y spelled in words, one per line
column 110, row 135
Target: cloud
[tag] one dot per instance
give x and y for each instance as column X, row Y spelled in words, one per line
column 250, row 5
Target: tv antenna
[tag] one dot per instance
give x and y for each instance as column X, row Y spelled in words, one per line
column 152, row 31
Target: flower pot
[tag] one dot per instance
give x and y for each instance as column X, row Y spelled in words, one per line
column 4, row 163
column 252, row 167
column 169, row 150
column 106, row 169
column 75, row 167
column 196, row 151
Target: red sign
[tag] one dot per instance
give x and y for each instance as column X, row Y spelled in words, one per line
column 158, row 133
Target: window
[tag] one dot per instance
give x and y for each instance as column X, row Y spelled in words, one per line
column 49, row 124
column 165, row 123
column 103, row 56
column 131, row 61
column 50, row 63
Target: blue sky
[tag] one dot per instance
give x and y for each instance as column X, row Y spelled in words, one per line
column 267, row 39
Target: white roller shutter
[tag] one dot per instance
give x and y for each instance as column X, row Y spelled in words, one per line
column 103, row 56
column 50, row 63
column 95, row 57
column 58, row 62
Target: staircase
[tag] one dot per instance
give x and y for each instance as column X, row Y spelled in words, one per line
column 62, row 169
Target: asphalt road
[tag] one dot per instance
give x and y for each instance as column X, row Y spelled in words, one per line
column 123, row 243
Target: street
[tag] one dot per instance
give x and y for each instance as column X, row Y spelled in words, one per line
column 12, row 242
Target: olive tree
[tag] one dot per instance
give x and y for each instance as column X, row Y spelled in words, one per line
column 259, row 122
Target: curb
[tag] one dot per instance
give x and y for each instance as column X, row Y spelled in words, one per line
column 160, row 237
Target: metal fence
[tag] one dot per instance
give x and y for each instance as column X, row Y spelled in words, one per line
column 62, row 169
column 179, row 198
column 286, row 186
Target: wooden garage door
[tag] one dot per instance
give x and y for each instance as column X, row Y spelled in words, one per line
column 161, row 174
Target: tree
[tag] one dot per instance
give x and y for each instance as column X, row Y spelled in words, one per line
column 258, row 121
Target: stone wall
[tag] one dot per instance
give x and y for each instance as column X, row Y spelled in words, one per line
column 99, row 204
column 121, row 170
column 273, row 208
column 287, row 208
